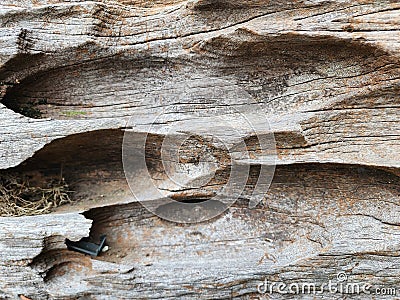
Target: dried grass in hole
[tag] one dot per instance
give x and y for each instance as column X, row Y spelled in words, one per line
column 19, row 198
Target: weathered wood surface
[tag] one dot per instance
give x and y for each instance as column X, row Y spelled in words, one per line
column 75, row 75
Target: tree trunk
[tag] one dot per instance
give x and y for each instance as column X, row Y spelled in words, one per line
column 93, row 94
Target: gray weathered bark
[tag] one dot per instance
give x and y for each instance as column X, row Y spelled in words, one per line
column 74, row 76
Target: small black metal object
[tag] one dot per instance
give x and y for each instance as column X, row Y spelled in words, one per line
column 86, row 247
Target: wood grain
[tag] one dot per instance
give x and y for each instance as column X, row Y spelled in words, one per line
column 76, row 76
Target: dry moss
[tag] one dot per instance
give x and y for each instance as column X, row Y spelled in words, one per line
column 19, row 198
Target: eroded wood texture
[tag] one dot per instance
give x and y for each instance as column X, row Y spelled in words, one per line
column 325, row 74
